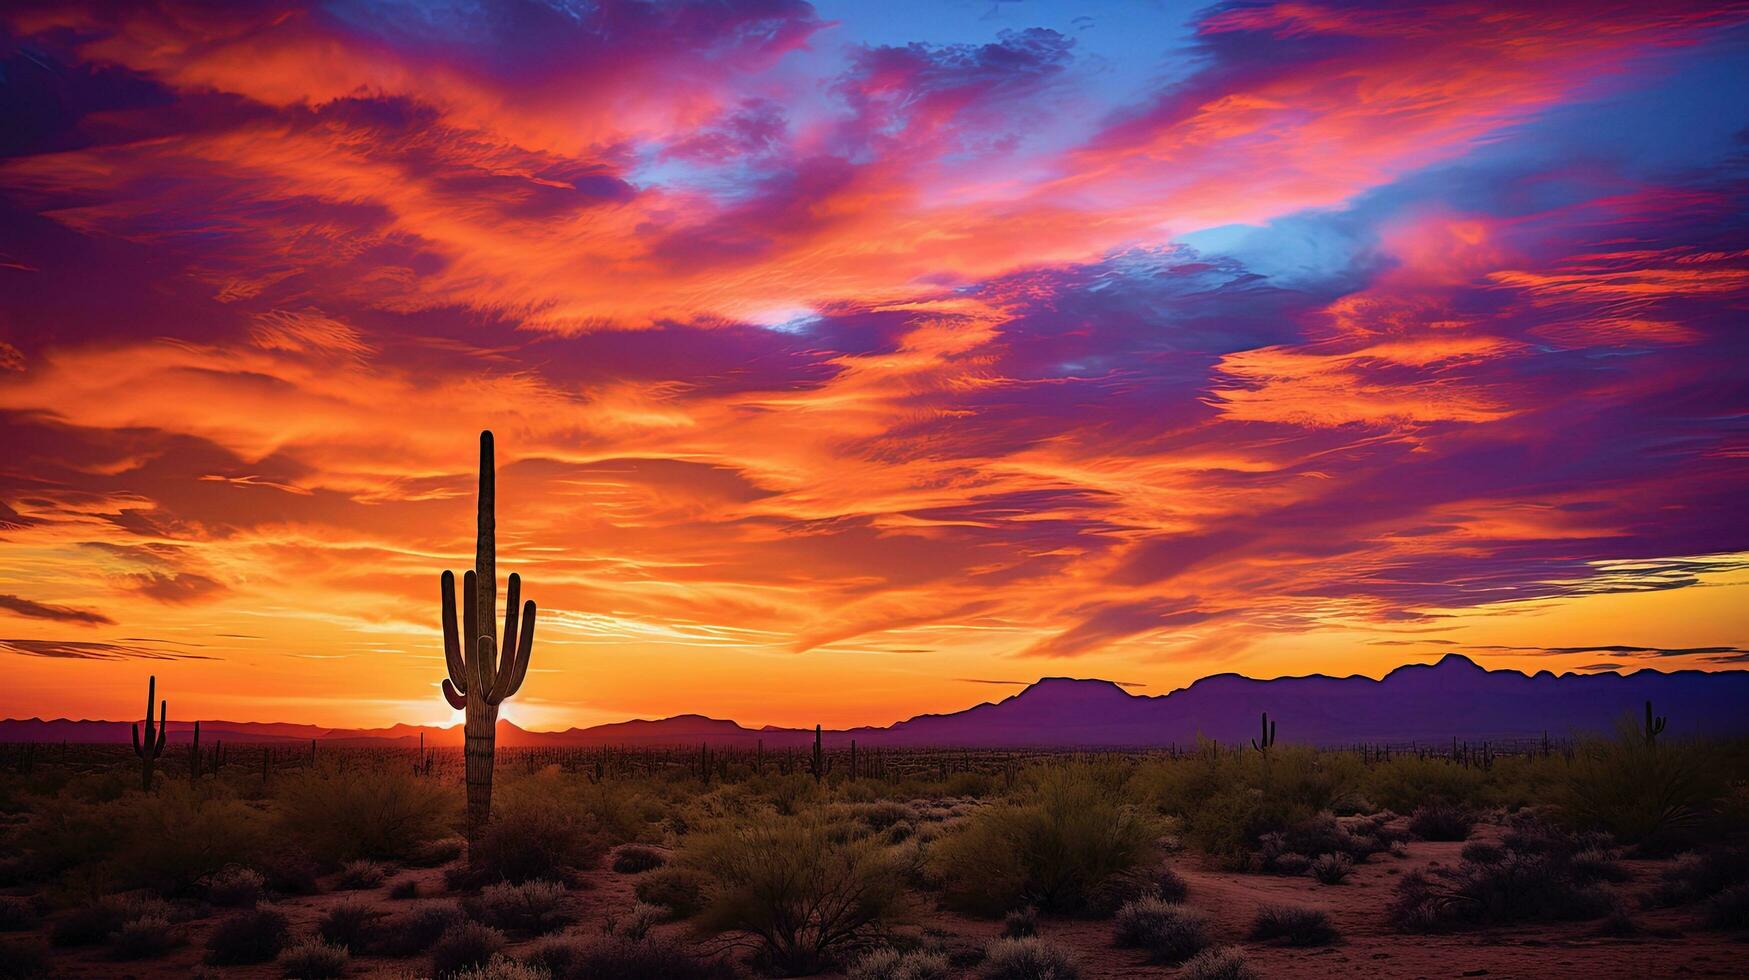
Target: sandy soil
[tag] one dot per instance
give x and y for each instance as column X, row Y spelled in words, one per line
column 1674, row 944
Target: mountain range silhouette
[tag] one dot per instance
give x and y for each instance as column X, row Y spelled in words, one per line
column 1454, row 698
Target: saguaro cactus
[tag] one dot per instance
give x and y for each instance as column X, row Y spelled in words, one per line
column 1654, row 726
column 480, row 675
column 152, row 746
column 817, row 765
column 1268, row 735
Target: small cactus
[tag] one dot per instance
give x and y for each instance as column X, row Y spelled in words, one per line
column 818, row 765
column 1268, row 735
column 1654, row 726
column 153, row 745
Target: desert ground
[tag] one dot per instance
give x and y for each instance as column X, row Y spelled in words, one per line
column 1607, row 858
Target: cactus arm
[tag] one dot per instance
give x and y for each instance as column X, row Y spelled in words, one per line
column 452, row 643
column 507, row 658
column 456, row 699
column 163, row 727
column 470, row 629
column 515, row 663
column 481, row 681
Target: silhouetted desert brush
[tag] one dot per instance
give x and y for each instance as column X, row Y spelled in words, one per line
column 891, row 964
column 1169, row 932
column 248, row 937
column 804, row 896
column 1222, row 963
column 1482, row 852
column 529, row 907
column 1019, row 923
column 1171, row 885
column 1729, row 909
column 361, row 875
column 533, row 836
column 1700, row 875
column 1331, row 869
column 1407, row 782
column 1298, row 925
column 622, row 958
column 417, row 931
column 635, row 922
column 679, row 890
column 147, row 937
column 181, row 836
column 378, row 812
column 1442, row 822
column 1031, row 958
column 464, row 946
column 1596, row 864
column 236, row 888
column 314, row 960
column 635, row 858
column 353, row 926
column 501, row 967
column 1658, row 796
column 1054, row 847
column 1517, row 888
column 407, row 888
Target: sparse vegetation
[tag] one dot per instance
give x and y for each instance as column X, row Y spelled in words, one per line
column 1297, row 925
column 236, row 888
column 1331, row 869
column 464, row 946
column 1221, row 963
column 1170, row 932
column 1442, row 822
column 314, row 960
column 1031, row 958
column 533, row 907
column 679, row 890
column 256, row 936
column 352, row 926
column 635, row 858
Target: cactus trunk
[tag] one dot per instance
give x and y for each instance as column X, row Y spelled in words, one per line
column 479, row 678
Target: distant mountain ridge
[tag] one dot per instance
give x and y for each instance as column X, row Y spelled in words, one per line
column 1417, row 702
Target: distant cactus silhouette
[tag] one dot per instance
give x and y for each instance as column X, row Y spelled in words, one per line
column 818, row 765
column 1268, row 735
column 153, row 745
column 1654, row 726
column 480, row 677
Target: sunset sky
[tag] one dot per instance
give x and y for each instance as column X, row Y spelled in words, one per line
column 854, row 360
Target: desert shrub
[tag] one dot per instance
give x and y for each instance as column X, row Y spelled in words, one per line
column 353, row 926
column 887, row 963
column 357, row 812
column 1700, row 875
column 1285, row 851
column 1518, row 888
column 804, row 895
column 1729, row 909
column 883, row 814
column 1298, row 925
column 23, row 960
column 361, row 875
column 407, row 889
column 236, row 888
column 1171, row 885
column 1658, row 797
column 1168, row 931
column 635, row 858
column 1597, row 864
column 532, row 839
column 636, row 922
column 291, row 872
column 464, row 946
column 1019, row 923
column 437, row 853
column 623, row 958
column 147, row 937
column 247, row 937
column 1054, row 848
column 417, row 931
column 181, row 836
column 314, row 960
column 679, row 890
column 1222, row 963
column 1228, row 800
column 17, row 914
column 1482, row 852
column 531, row 907
column 1031, row 958
column 501, row 967
column 1407, row 782
column 87, row 925
column 1331, row 869
column 1442, row 822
